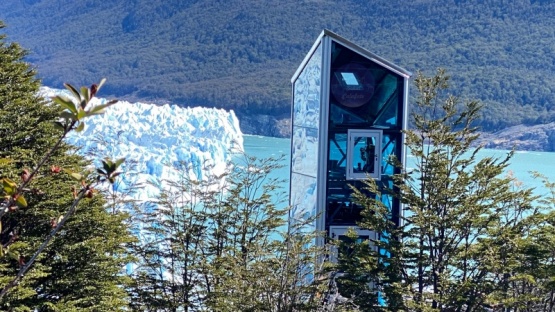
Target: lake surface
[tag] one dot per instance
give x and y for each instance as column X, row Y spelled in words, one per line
column 521, row 164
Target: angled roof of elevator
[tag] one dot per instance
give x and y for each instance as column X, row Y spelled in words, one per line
column 355, row 48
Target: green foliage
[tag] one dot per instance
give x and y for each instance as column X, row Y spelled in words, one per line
column 471, row 239
column 358, row 275
column 75, row 111
column 80, row 270
column 240, row 55
column 524, row 245
column 215, row 244
column 109, row 170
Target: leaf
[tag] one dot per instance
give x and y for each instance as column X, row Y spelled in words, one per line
column 73, row 90
column 65, row 103
column 9, row 186
column 13, row 254
column 68, row 115
column 107, row 165
column 80, row 127
column 81, row 114
column 100, row 84
column 99, row 109
column 59, row 125
column 119, row 162
column 75, row 176
column 93, row 112
column 20, row 201
column 86, row 96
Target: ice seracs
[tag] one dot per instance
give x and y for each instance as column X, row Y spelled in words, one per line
column 155, row 137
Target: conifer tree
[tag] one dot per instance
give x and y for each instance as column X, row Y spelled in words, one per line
column 80, row 270
column 469, row 240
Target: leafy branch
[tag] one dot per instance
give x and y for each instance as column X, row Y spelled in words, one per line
column 73, row 112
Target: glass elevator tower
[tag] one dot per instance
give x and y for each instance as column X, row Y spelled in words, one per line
column 348, row 112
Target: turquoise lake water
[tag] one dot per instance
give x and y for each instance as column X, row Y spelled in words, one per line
column 521, row 165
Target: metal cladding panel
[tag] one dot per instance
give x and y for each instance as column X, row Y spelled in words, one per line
column 323, row 142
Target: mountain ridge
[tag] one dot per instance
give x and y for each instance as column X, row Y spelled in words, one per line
column 241, row 54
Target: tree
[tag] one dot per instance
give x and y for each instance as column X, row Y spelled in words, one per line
column 470, row 240
column 521, row 257
column 80, row 269
column 220, row 243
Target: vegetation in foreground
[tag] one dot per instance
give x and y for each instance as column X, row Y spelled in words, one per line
column 61, row 249
column 472, row 240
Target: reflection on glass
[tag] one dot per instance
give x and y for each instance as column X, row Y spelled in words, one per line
column 304, row 158
column 363, row 93
column 339, row 116
column 304, row 150
column 306, row 95
column 303, row 197
column 386, row 99
column 338, row 155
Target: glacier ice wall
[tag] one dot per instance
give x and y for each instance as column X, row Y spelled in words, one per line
column 155, row 137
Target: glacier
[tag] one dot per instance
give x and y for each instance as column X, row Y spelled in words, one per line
column 156, row 137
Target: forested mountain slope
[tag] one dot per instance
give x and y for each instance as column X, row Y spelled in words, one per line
column 240, row 54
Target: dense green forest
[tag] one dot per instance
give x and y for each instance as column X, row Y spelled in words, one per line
column 241, row 54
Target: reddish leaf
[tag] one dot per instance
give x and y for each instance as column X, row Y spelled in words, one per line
column 25, row 175
column 94, row 89
column 55, row 169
